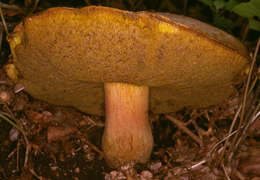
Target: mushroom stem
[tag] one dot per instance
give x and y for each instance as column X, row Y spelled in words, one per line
column 127, row 136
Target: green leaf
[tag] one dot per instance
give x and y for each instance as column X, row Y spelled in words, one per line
column 254, row 24
column 248, row 9
column 231, row 4
column 207, row 2
column 256, row 3
column 223, row 23
column 219, row 4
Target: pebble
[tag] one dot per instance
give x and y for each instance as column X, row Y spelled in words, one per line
column 146, row 175
column 5, row 96
column 13, row 134
column 156, row 166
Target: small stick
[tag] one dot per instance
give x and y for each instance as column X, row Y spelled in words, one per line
column 226, row 173
column 230, row 131
column 234, row 144
column 12, row 153
column 1, row 39
column 3, row 20
column 198, row 164
column 92, row 146
column 17, row 155
column 182, row 126
column 28, row 149
column 35, row 174
column 243, row 111
column 17, row 126
column 7, row 6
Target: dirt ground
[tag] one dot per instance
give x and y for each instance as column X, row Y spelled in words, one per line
column 49, row 142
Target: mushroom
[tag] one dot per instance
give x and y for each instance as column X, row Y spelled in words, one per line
column 122, row 64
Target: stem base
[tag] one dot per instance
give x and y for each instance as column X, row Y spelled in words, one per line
column 128, row 135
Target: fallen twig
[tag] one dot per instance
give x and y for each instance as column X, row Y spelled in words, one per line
column 3, row 20
column 92, row 146
column 16, row 125
column 225, row 171
column 236, row 141
column 8, row 6
column 182, row 126
column 220, row 159
column 35, row 174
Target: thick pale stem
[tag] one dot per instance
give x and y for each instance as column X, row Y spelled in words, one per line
column 127, row 136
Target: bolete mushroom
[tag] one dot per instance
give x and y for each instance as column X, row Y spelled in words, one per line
column 98, row 57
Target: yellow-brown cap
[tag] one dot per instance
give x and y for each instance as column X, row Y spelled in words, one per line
column 65, row 55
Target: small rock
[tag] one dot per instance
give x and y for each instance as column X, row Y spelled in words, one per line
column 156, row 166
column 146, row 175
column 115, row 175
column 90, row 156
column 127, row 166
column 58, row 133
column 5, row 96
column 77, row 170
column 14, row 134
column 54, row 168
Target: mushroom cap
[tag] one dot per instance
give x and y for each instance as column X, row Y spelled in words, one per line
column 65, row 56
